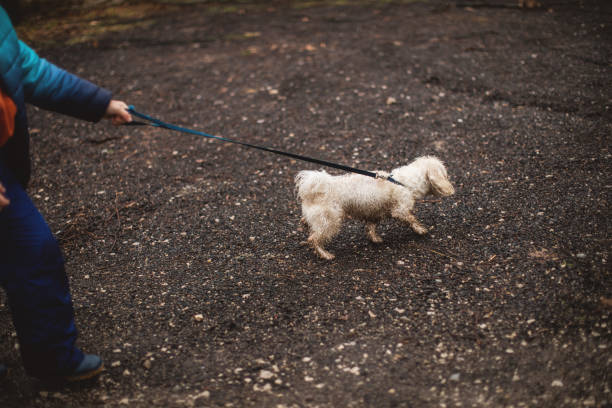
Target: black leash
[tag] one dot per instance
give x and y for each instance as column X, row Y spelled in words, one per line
column 158, row 123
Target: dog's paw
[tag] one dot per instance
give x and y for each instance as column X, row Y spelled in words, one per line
column 419, row 229
column 328, row 256
column 376, row 239
column 325, row 254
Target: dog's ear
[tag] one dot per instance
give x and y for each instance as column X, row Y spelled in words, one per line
column 438, row 179
column 436, row 174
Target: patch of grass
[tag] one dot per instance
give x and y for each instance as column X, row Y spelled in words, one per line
column 97, row 31
column 322, row 3
column 242, row 36
column 86, row 25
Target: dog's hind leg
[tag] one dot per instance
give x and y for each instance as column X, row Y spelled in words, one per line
column 324, row 224
column 371, row 231
column 320, row 250
column 318, row 238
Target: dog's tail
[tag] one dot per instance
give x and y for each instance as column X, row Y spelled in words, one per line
column 311, row 184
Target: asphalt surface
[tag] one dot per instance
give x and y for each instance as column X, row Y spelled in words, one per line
column 184, row 254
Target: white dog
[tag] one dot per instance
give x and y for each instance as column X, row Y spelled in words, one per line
column 327, row 200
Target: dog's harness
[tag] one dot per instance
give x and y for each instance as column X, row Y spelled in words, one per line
column 151, row 121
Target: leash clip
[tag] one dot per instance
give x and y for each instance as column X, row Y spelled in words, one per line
column 388, row 177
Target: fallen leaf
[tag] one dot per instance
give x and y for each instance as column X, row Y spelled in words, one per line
column 606, row 301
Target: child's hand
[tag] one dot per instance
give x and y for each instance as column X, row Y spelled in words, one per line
column 3, row 200
column 117, row 112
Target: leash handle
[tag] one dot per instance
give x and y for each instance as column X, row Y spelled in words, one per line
column 151, row 121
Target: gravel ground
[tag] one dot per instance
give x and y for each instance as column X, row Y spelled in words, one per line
column 184, row 254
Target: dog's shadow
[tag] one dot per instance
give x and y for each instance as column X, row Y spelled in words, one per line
column 352, row 243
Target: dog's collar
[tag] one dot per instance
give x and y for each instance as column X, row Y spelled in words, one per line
column 388, row 178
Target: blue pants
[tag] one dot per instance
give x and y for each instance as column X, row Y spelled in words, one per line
column 33, row 276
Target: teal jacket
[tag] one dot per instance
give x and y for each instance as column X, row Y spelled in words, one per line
column 27, row 78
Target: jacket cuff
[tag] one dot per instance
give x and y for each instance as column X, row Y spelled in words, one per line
column 99, row 103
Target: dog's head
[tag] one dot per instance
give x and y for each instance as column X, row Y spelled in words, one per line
column 439, row 185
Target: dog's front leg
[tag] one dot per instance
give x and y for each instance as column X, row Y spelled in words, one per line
column 406, row 216
column 371, row 231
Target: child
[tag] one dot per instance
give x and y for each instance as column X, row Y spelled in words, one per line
column 31, row 264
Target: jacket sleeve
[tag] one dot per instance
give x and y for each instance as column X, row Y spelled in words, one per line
column 52, row 88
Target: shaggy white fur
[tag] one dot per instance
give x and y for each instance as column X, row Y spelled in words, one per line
column 327, row 200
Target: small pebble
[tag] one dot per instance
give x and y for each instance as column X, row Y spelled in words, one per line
column 265, row 374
